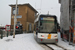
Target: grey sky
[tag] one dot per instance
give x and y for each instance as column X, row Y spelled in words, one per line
column 46, row 5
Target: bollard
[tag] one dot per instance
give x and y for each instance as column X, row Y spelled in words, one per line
column 69, row 35
column 7, row 33
column 1, row 34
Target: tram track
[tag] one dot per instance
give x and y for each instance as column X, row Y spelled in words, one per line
column 61, row 47
column 45, row 47
column 55, row 47
column 49, row 47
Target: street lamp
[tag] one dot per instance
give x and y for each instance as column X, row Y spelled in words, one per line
column 15, row 20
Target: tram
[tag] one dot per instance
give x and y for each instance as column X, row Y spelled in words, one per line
column 45, row 29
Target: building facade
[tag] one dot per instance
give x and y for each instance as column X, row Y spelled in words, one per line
column 67, row 19
column 25, row 15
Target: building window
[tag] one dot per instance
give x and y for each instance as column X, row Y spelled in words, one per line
column 14, row 9
column 18, row 22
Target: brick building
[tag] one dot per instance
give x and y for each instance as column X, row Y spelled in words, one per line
column 25, row 15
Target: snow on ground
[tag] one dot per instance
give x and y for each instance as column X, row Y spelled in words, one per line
column 65, row 44
column 54, row 47
column 27, row 42
column 20, row 42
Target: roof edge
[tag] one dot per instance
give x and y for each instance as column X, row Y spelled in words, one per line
column 24, row 4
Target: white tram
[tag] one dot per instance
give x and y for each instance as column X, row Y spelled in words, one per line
column 45, row 29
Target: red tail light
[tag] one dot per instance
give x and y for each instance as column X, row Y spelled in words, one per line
column 56, row 39
column 41, row 39
column 16, row 27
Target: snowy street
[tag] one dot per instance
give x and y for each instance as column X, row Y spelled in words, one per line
column 21, row 42
column 27, row 42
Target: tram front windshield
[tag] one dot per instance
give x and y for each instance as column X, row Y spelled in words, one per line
column 47, row 25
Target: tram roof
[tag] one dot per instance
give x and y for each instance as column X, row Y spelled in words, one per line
column 37, row 19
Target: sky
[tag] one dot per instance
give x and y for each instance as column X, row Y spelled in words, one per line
column 42, row 6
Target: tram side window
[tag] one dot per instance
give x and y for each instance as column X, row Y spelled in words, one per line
column 40, row 23
column 35, row 26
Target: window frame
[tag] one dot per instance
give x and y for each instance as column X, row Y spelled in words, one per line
column 13, row 8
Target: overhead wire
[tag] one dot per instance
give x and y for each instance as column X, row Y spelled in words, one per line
column 40, row 6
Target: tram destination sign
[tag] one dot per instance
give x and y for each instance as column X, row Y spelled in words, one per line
column 47, row 18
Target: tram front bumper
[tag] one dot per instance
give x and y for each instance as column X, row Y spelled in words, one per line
column 47, row 40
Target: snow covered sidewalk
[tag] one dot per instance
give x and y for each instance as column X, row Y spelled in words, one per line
column 20, row 42
column 65, row 44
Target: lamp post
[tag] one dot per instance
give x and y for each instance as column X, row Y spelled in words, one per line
column 15, row 20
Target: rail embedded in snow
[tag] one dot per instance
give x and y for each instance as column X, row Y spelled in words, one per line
column 55, row 47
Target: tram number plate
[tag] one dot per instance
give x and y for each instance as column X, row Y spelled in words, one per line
column 49, row 36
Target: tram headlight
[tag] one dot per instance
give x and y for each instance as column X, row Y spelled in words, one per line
column 55, row 36
column 42, row 35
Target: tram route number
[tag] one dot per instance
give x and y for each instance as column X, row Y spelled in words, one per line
column 49, row 36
